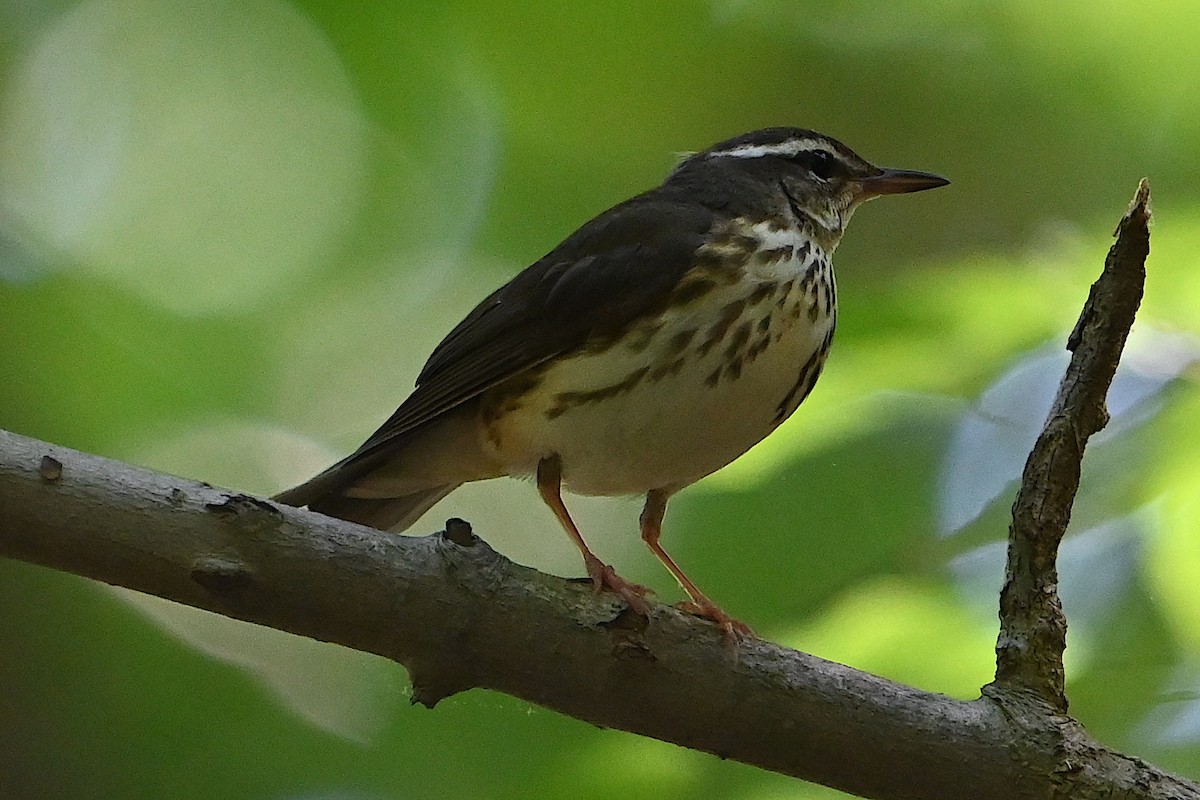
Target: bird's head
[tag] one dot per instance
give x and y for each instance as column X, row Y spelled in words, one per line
column 797, row 172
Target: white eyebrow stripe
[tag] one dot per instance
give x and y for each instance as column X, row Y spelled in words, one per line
column 786, row 149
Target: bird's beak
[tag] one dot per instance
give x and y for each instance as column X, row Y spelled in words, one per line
column 899, row 181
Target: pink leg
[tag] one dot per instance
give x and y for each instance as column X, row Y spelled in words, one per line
column 652, row 518
column 549, row 483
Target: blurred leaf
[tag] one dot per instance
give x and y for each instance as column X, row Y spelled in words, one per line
column 1096, row 569
column 852, row 510
column 1174, row 558
column 992, row 442
column 344, row 692
column 166, row 147
column 909, row 632
column 1176, row 722
column 100, row 367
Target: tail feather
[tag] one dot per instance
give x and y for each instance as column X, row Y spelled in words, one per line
column 332, row 481
column 388, row 514
column 389, row 487
column 325, row 494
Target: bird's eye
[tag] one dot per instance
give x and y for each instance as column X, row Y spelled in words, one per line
column 820, row 163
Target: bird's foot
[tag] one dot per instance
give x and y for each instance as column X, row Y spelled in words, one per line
column 703, row 607
column 605, row 577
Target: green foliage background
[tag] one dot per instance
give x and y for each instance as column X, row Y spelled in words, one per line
column 230, row 232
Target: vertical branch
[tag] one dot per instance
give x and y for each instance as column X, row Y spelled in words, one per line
column 1033, row 629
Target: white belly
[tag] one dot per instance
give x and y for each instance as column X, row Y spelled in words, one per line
column 625, row 422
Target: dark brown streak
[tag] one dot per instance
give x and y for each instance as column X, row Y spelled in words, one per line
column 738, row 340
column 806, row 380
column 670, row 368
column 762, row 291
column 691, row 290
column 717, row 331
column 681, row 340
column 758, row 348
column 565, row 401
column 772, row 255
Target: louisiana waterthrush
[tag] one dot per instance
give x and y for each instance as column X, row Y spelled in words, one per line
column 655, row 345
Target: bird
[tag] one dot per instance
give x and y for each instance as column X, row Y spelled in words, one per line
column 654, row 345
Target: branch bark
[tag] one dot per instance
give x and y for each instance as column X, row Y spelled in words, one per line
column 458, row 615
column 1033, row 629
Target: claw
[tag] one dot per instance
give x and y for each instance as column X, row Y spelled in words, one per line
column 605, row 577
column 733, row 629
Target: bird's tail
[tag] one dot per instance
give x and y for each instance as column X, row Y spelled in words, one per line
column 325, row 494
column 389, row 513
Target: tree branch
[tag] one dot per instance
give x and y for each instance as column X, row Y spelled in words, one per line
column 458, row 616
column 1033, row 629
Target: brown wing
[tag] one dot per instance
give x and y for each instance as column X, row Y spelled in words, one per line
column 617, row 268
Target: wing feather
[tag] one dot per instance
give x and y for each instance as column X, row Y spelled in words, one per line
column 618, row 268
